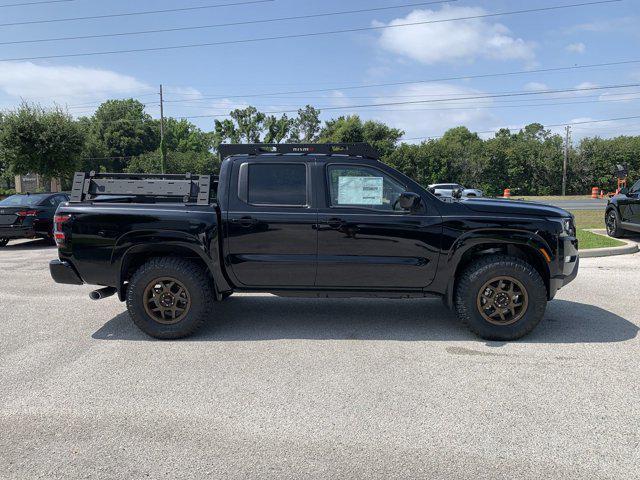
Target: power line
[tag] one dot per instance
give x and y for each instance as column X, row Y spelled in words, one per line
column 308, row 98
column 230, row 24
column 627, row 96
column 273, row 95
column 467, row 107
column 34, row 3
column 300, row 35
column 437, row 100
column 430, row 80
column 545, row 126
column 130, row 14
column 443, row 97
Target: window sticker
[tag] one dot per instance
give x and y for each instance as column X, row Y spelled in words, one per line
column 360, row 190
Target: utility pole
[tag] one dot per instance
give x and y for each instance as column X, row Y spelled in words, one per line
column 567, row 130
column 163, row 150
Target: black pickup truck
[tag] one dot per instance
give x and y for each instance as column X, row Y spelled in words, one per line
column 308, row 220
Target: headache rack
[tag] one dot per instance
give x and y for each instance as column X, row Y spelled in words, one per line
column 353, row 149
column 185, row 188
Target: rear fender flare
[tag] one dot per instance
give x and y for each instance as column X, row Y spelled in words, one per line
column 166, row 242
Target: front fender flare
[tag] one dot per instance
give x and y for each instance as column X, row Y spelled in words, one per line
column 490, row 238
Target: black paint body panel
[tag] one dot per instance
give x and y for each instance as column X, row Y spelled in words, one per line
column 314, row 248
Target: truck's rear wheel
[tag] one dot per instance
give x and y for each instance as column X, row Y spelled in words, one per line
column 169, row 297
column 500, row 297
column 3, row 242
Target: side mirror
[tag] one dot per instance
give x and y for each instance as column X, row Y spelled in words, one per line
column 457, row 192
column 408, row 201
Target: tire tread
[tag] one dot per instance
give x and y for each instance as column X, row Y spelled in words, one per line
column 186, row 267
column 482, row 265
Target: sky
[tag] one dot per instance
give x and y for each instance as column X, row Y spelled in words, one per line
column 428, row 63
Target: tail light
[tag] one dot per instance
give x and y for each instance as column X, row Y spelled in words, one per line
column 58, row 234
column 27, row 213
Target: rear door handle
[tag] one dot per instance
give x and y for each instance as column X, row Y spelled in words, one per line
column 335, row 222
column 245, row 221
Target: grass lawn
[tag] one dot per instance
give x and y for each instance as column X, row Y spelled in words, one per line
column 592, row 219
column 547, row 198
column 589, row 218
column 588, row 240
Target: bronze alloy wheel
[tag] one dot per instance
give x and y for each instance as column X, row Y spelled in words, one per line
column 166, row 300
column 611, row 222
column 502, row 301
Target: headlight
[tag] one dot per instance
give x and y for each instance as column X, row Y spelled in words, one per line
column 568, row 227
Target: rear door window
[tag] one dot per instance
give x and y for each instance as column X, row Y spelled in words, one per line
column 282, row 184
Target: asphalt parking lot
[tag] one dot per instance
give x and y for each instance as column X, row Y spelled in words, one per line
column 297, row 388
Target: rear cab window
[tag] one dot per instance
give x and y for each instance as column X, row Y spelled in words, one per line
column 284, row 184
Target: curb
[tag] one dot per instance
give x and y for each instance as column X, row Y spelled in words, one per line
column 627, row 249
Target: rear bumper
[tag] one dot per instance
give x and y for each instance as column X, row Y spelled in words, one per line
column 19, row 231
column 63, row 272
column 568, row 263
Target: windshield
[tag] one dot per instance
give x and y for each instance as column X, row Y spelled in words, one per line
column 21, row 200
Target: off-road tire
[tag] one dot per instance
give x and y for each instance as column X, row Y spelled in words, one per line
column 481, row 271
column 194, row 279
column 613, row 230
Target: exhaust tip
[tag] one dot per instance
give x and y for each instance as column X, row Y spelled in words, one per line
column 102, row 293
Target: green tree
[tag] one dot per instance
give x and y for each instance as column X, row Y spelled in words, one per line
column 306, row 126
column 204, row 163
column 277, row 129
column 249, row 124
column 351, row 129
column 121, row 129
column 183, row 136
column 36, row 140
column 245, row 126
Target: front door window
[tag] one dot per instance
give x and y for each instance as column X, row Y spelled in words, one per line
column 362, row 187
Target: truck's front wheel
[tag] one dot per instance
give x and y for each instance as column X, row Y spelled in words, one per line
column 169, row 297
column 500, row 297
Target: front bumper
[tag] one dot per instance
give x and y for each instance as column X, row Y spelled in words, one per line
column 63, row 272
column 18, row 231
column 568, row 264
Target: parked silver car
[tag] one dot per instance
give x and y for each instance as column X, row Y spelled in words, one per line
column 446, row 190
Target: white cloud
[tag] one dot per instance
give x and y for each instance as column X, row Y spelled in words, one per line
column 602, row 26
column 65, row 84
column 623, row 95
column 189, row 92
column 578, row 47
column 453, row 41
column 432, row 119
column 536, row 87
column 580, row 90
column 585, row 88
